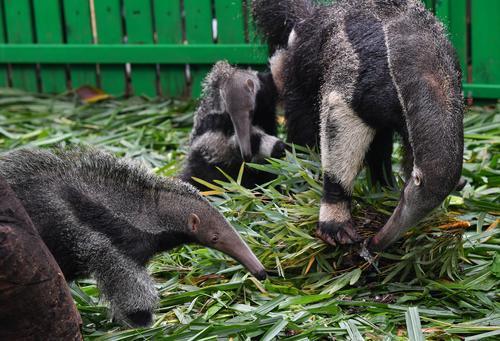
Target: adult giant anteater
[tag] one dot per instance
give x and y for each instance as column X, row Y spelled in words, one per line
column 106, row 217
column 355, row 71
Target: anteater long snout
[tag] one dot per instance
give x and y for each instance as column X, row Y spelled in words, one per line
column 233, row 245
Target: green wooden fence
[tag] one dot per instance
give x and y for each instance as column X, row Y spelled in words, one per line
column 165, row 47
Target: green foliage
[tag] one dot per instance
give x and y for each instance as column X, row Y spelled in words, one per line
column 448, row 266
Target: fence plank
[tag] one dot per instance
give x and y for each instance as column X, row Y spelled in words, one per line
column 19, row 31
column 79, row 31
column 169, row 30
column 48, row 28
column 430, row 4
column 139, row 28
column 458, row 31
column 109, row 31
column 485, row 41
column 3, row 67
column 230, row 21
column 198, row 31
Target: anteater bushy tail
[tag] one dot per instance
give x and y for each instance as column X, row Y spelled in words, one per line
column 275, row 19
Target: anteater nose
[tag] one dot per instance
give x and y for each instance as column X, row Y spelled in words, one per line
column 247, row 157
column 261, row 275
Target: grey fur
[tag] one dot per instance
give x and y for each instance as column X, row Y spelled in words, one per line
column 106, row 217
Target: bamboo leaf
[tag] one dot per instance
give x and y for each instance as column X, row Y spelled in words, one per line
column 413, row 325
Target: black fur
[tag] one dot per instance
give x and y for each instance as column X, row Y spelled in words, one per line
column 264, row 115
column 139, row 246
column 276, row 19
column 334, row 192
column 379, row 158
column 220, row 123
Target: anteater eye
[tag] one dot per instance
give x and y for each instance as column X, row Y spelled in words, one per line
column 215, row 238
column 417, row 180
column 417, row 176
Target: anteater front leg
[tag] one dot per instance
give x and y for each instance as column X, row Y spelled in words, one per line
column 127, row 286
column 265, row 145
column 345, row 139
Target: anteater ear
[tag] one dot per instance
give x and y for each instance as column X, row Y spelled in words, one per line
column 250, row 86
column 193, row 222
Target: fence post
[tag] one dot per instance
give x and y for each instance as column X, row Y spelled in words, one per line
column 20, row 31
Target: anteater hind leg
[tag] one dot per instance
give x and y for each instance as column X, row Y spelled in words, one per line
column 301, row 115
column 345, row 139
column 379, row 158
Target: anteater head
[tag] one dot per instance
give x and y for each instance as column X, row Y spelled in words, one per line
column 238, row 90
column 426, row 189
column 204, row 225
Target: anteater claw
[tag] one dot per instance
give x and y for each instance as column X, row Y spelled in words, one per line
column 334, row 233
column 461, row 184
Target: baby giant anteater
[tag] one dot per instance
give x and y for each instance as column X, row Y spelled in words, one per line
column 105, row 217
column 354, row 72
column 233, row 124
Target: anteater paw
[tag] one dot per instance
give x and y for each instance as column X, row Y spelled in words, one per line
column 279, row 149
column 333, row 233
column 139, row 318
column 461, row 184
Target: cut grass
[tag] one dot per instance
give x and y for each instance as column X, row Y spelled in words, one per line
column 449, row 267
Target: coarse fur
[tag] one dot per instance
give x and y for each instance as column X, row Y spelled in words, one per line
column 237, row 107
column 359, row 71
column 276, row 19
column 105, row 217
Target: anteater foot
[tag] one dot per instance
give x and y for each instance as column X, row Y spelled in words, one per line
column 333, row 233
column 461, row 184
column 279, row 150
column 140, row 318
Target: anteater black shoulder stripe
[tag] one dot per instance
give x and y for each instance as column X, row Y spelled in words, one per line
column 220, row 123
column 100, row 219
column 375, row 96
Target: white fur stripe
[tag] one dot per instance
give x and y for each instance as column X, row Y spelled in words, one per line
column 391, row 71
column 292, row 38
column 338, row 212
column 342, row 157
column 277, row 63
column 267, row 143
column 398, row 89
